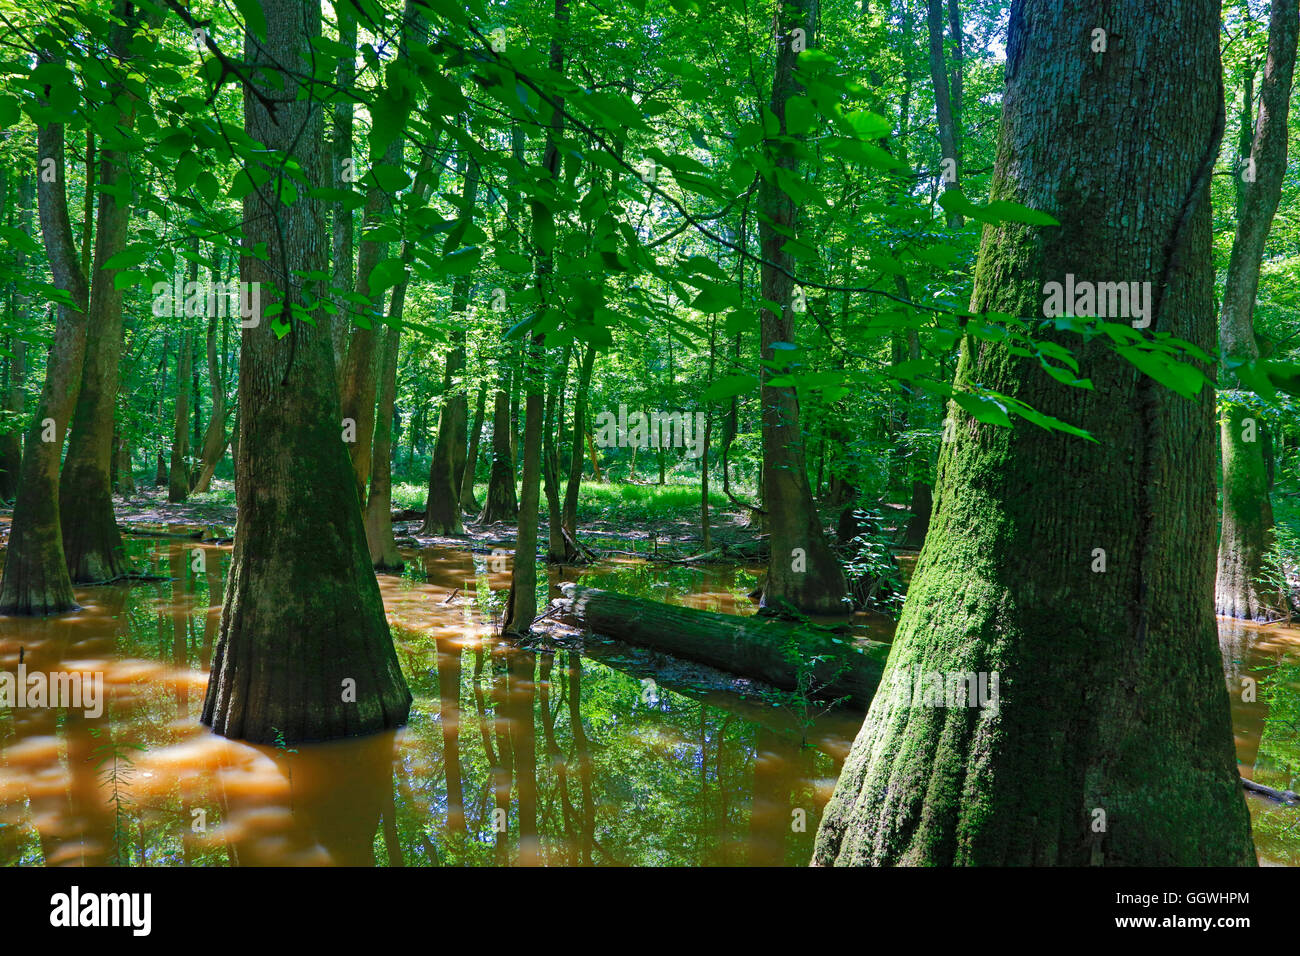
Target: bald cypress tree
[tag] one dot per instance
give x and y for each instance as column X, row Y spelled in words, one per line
column 1110, row 742
column 304, row 649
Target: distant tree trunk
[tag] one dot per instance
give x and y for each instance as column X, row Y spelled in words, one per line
column 160, row 464
column 705, row 532
column 803, row 573
column 124, row 480
column 11, row 442
column 521, row 605
column 36, row 580
column 442, row 507
column 92, row 545
column 1247, row 521
column 552, row 425
column 379, row 516
column 178, row 484
column 304, row 651
column 1111, row 741
column 502, row 502
column 573, row 487
column 467, row 475
column 378, row 511
column 359, row 371
column 946, row 103
column 214, row 442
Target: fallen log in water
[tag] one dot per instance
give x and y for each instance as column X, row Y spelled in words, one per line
column 1288, row 797
column 778, row 652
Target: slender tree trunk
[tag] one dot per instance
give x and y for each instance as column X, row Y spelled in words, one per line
column 1247, row 522
column 803, row 573
column 178, row 483
column 573, row 487
column 88, row 204
column 1108, row 740
column 36, row 577
column 944, row 104
column 467, row 502
column 215, row 441
column 502, row 502
column 521, row 605
column 295, row 662
column 378, row 511
column 359, row 371
column 124, row 479
column 553, row 423
column 379, row 516
column 442, row 507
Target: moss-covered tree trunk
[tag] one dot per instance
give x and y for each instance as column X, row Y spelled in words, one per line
column 304, row 651
column 342, row 219
column 36, row 577
column 803, row 574
column 1110, row 742
column 1247, row 523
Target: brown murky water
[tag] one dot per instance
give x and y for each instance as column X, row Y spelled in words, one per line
column 539, row 756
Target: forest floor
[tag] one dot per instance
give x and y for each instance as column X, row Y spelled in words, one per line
column 610, row 520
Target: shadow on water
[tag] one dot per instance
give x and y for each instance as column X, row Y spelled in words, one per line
column 543, row 756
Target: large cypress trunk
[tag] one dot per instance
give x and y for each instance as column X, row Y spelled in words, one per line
column 1247, row 524
column 803, row 574
column 36, row 577
column 92, row 544
column 304, row 649
column 342, row 173
column 1110, row 742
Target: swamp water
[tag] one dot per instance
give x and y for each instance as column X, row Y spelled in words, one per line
column 532, row 756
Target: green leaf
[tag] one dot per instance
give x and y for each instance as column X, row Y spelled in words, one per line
column 730, row 386
column 1179, row 377
column 254, row 18
column 187, row 172
column 984, row 408
column 388, row 178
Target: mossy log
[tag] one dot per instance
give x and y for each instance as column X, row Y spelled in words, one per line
column 832, row 665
